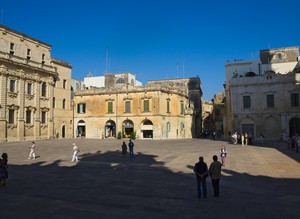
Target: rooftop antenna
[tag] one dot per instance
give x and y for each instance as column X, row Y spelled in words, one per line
column 1, row 16
column 107, row 61
column 182, row 69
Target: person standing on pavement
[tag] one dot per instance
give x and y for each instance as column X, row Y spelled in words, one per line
column 32, row 151
column 215, row 174
column 4, row 157
column 131, row 145
column 124, row 149
column 201, row 172
column 2, row 173
column 223, row 154
column 75, row 152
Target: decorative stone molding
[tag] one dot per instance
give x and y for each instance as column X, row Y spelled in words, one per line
column 11, row 125
column 43, row 126
column 13, row 107
column 28, row 125
column 31, row 108
column 44, row 98
column 44, row 109
column 12, row 95
column 29, row 96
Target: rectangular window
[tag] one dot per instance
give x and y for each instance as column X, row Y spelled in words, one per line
column 64, row 84
column 11, row 116
column 12, row 86
column 127, row 107
column 246, row 102
column 43, row 58
column 28, row 54
column 29, row 88
column 294, row 99
column 181, row 108
column 28, row 116
column 64, row 104
column 43, row 121
column 146, row 106
column 110, row 107
column 53, row 103
column 12, row 48
column 168, row 106
column 270, row 101
column 81, row 108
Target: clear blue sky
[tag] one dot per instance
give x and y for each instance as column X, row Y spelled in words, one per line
column 156, row 39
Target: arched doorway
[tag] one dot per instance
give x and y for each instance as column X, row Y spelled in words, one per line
column 294, row 127
column 147, row 129
column 128, row 127
column 182, row 130
column 271, row 128
column 63, row 131
column 110, row 129
column 80, row 131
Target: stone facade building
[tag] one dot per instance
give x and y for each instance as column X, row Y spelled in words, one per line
column 35, row 94
column 207, row 123
column 156, row 110
column 262, row 96
column 217, row 114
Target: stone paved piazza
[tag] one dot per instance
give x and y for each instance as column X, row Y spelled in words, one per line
column 261, row 181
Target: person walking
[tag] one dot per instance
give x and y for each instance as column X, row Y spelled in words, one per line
column 32, row 151
column 131, row 145
column 201, row 172
column 246, row 138
column 2, row 173
column 4, row 157
column 124, row 149
column 223, row 154
column 243, row 139
column 215, row 174
column 75, row 152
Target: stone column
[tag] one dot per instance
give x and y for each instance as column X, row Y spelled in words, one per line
column 21, row 100
column 3, row 99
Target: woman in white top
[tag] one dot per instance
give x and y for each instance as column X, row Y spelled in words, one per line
column 75, row 152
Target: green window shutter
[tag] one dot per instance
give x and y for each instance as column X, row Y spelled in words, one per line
column 146, row 105
column 110, row 107
column 83, row 107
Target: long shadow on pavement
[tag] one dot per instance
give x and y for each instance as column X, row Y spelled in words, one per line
column 107, row 185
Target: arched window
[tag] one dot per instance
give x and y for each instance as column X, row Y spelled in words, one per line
column 44, row 89
column 120, row 81
column 64, row 104
column 168, row 126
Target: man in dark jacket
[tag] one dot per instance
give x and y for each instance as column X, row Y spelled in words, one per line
column 215, row 174
column 201, row 172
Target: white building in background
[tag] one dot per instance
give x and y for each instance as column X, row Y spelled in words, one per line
column 117, row 79
column 262, row 96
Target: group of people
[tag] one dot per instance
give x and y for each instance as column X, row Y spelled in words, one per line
column 214, row 171
column 76, row 150
column 3, row 169
column 130, row 146
column 244, row 139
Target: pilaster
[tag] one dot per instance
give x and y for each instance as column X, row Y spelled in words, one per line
column 21, row 121
column 3, row 100
column 37, row 129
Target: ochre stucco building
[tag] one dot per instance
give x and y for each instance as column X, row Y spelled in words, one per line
column 156, row 110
